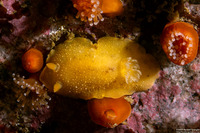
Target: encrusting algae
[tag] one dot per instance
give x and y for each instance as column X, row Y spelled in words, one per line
column 112, row 68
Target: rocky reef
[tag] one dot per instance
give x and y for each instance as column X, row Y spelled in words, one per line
column 26, row 105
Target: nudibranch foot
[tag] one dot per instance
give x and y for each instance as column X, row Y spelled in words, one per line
column 112, row 67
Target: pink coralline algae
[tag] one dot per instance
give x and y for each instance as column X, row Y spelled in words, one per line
column 195, row 83
column 22, row 19
column 42, row 115
column 172, row 103
column 195, row 86
column 135, row 122
column 195, row 66
column 12, row 17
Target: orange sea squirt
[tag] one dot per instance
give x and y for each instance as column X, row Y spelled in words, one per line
column 180, row 42
column 112, row 7
column 91, row 10
column 109, row 112
column 32, row 60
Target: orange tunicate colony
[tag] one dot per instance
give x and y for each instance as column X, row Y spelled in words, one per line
column 112, row 7
column 109, row 112
column 32, row 60
column 91, row 10
column 180, row 42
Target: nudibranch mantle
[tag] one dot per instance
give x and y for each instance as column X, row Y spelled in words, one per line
column 112, row 67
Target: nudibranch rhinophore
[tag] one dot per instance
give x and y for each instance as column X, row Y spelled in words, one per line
column 112, row 67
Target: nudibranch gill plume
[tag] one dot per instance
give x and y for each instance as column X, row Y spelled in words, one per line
column 112, row 67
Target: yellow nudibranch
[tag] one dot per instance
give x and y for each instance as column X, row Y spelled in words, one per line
column 112, row 67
